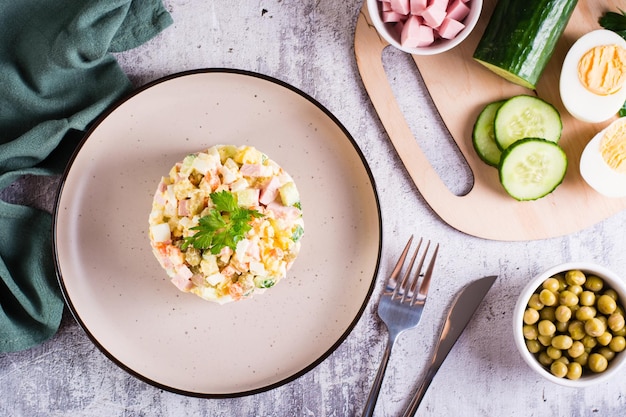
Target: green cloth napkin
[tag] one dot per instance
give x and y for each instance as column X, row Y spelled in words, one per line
column 57, row 74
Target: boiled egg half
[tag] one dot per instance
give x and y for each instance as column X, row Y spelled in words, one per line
column 593, row 76
column 603, row 161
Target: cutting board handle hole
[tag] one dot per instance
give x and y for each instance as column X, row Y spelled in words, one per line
column 436, row 142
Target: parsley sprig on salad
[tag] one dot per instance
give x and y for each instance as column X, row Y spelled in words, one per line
column 224, row 226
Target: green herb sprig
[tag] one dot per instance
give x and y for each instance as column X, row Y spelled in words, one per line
column 224, row 226
column 615, row 22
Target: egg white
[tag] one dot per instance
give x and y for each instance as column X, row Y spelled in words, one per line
column 597, row 173
column 580, row 102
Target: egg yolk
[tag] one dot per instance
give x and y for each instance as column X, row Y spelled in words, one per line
column 613, row 146
column 602, row 69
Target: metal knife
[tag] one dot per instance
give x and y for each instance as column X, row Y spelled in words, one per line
column 460, row 313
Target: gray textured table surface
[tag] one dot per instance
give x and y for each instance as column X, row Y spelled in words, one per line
column 309, row 44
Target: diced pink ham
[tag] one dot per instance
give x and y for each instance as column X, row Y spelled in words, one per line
column 400, row 6
column 399, row 27
column 458, row 10
column 256, row 170
column 410, row 32
column 159, row 198
column 162, row 186
column 433, row 15
column 166, row 263
column 392, row 17
column 283, row 212
column 254, row 251
column 183, row 208
column 182, row 279
column 225, row 254
column 426, row 36
column 418, row 6
column 175, row 255
column 270, row 191
column 450, row 28
column 198, row 280
column 440, row 4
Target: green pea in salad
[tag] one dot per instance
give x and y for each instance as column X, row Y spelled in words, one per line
column 226, row 223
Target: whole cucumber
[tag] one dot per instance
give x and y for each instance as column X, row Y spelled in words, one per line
column 521, row 36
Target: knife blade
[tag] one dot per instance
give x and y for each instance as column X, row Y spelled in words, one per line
column 461, row 311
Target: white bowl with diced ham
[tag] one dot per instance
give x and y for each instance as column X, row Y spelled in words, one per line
column 424, row 27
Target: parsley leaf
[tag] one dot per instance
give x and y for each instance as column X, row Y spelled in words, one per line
column 297, row 233
column 224, row 226
column 615, row 22
column 224, row 201
column 267, row 283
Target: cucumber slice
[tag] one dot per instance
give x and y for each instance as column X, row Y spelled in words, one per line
column 483, row 137
column 526, row 116
column 532, row 168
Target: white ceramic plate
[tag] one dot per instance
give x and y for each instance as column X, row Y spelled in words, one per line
column 123, row 299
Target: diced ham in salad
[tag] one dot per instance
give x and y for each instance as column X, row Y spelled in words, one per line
column 226, row 223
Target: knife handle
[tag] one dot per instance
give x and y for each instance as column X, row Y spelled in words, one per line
column 411, row 409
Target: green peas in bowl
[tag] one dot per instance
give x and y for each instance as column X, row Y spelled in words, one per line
column 569, row 324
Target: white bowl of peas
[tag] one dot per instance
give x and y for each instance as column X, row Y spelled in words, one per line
column 569, row 326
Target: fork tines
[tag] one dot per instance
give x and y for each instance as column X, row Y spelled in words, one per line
column 405, row 289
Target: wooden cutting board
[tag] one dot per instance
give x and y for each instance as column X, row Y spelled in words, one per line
column 460, row 88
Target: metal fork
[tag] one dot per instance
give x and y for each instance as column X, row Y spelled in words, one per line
column 400, row 307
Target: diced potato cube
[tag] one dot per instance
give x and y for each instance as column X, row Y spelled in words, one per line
column 187, row 164
column 225, row 152
column 257, row 268
column 196, row 203
column 228, row 175
column 289, row 194
column 248, row 197
column 205, row 163
column 208, row 264
column 249, row 155
column 192, row 256
column 215, row 279
column 160, row 232
column 239, row 185
column 183, row 189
